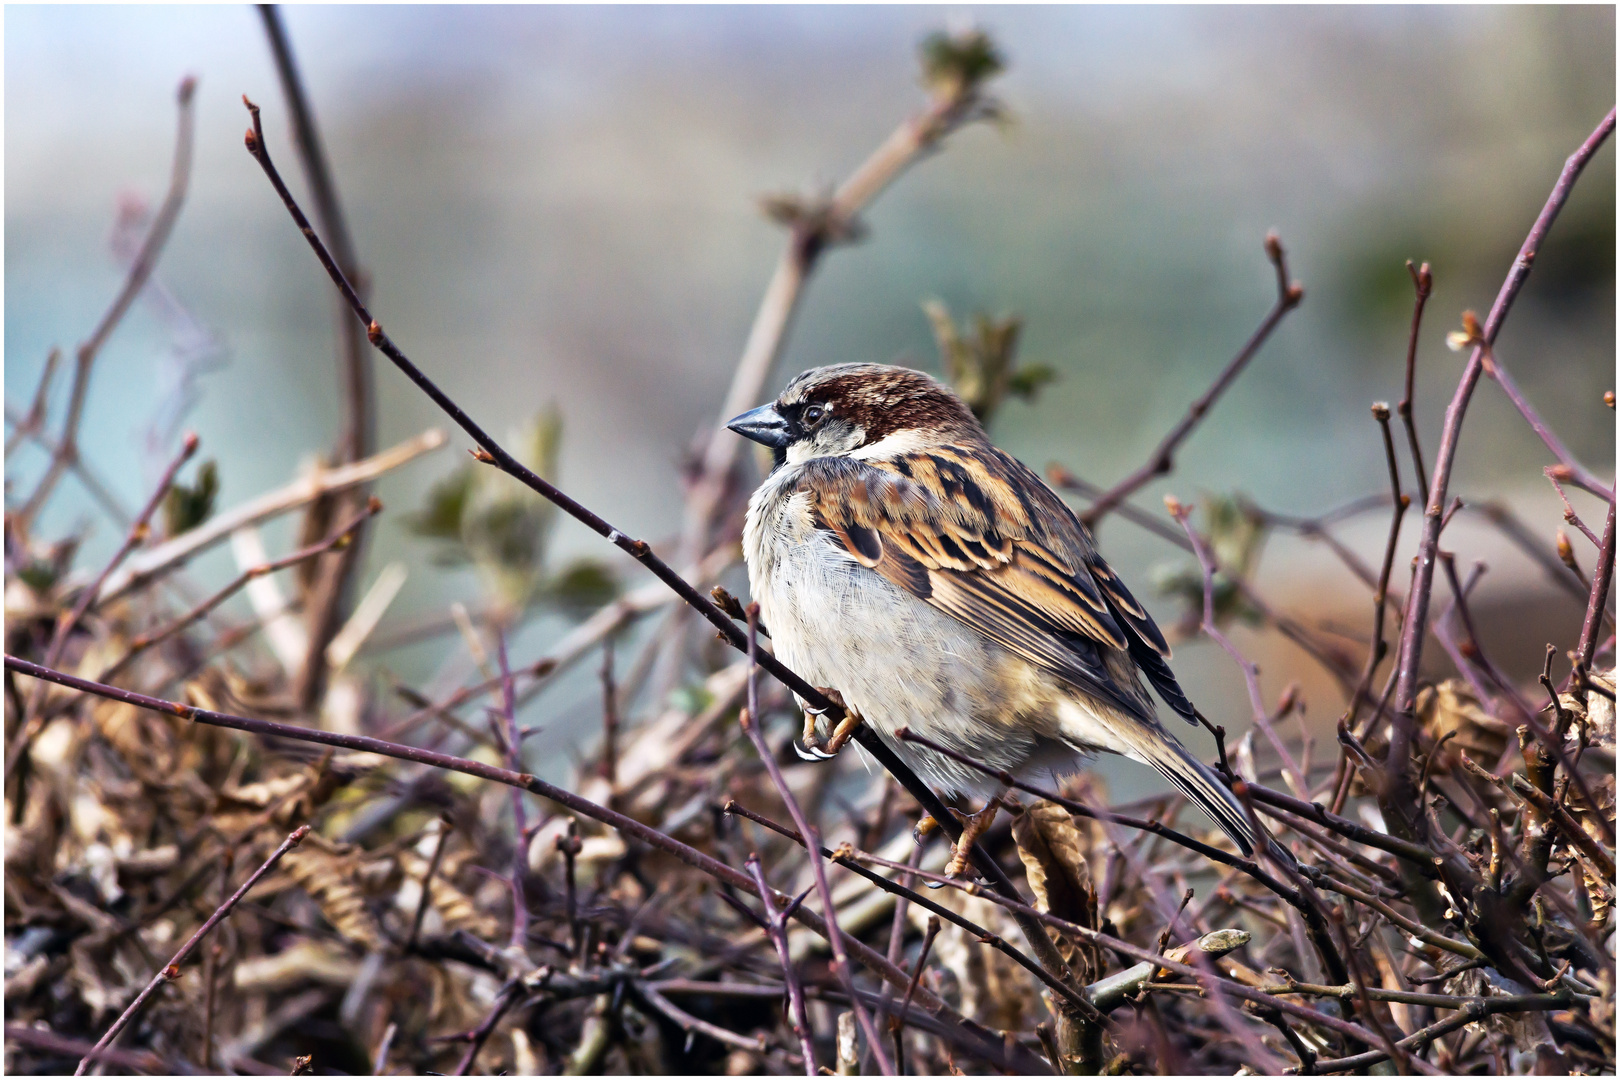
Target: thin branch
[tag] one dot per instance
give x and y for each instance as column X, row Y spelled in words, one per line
column 427, row 884
column 850, row 859
column 338, row 538
column 140, row 271
column 520, row 817
column 149, row 565
column 1162, row 459
column 65, row 625
column 328, row 596
column 1422, row 286
column 1579, row 474
column 1411, row 646
column 1592, row 624
column 776, row 929
column 1251, row 672
column 171, row 970
column 1472, row 1013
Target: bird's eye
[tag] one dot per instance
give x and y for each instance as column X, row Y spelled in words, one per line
column 813, row 414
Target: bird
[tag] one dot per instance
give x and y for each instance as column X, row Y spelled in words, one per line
column 930, row 581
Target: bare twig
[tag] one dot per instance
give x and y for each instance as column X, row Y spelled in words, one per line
column 1411, row 646
column 140, row 271
column 1162, row 459
column 334, row 576
column 342, row 535
column 171, row 970
column 1422, row 286
column 971, row 1035
column 776, row 928
column 149, row 565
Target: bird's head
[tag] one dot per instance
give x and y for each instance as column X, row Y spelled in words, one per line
column 867, row 411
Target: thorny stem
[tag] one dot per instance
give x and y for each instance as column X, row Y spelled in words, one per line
column 171, row 970
column 1162, row 459
column 751, row 724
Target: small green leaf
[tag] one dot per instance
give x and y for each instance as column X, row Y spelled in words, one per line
column 440, row 516
column 582, row 587
column 184, row 508
column 980, row 364
column 958, row 64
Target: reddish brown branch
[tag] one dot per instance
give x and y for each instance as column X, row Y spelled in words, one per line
column 1422, row 286
column 171, row 970
column 776, row 930
column 1162, row 459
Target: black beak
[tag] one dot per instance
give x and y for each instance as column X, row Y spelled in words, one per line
column 765, row 426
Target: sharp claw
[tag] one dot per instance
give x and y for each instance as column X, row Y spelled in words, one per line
column 804, row 753
column 822, row 755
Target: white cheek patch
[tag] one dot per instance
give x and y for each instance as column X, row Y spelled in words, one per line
column 901, row 442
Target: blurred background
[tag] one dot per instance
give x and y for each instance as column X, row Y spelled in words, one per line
column 560, row 206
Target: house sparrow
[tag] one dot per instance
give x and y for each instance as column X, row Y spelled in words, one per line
column 938, row 584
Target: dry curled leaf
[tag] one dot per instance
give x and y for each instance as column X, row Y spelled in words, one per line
column 1452, row 706
column 330, row 880
column 1053, row 853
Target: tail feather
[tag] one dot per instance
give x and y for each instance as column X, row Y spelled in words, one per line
column 1199, row 784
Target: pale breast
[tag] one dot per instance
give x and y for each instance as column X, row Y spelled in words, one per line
column 898, row 661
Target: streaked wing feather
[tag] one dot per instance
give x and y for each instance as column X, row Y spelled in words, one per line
column 980, row 560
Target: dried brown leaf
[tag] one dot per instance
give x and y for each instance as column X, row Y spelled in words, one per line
column 1052, row 850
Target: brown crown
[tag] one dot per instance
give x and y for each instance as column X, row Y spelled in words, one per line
column 883, row 400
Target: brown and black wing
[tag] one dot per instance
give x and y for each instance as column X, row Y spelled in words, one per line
column 1147, row 645
column 961, row 535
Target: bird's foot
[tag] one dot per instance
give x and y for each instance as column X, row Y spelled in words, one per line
column 973, row 827
column 812, row 750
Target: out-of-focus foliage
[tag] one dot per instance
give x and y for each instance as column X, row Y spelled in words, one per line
column 980, row 363
column 485, row 518
column 957, row 64
column 187, row 506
